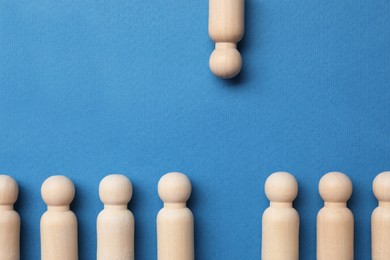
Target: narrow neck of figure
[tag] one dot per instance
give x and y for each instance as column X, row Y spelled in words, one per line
column 335, row 204
column 175, row 205
column 6, row 207
column 58, row 208
column 280, row 204
column 384, row 204
column 115, row 207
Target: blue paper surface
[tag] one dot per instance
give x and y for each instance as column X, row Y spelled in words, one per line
column 89, row 88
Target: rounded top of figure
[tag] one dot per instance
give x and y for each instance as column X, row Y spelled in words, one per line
column 335, row 187
column 225, row 61
column 115, row 189
column 57, row 190
column 281, row 187
column 174, row 187
column 381, row 186
column 8, row 190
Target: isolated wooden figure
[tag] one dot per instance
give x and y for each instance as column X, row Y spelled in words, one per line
column 115, row 223
column 226, row 29
column 335, row 221
column 58, row 223
column 280, row 228
column 380, row 219
column 175, row 222
column 9, row 219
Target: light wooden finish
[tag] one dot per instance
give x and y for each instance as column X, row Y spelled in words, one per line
column 335, row 221
column 115, row 223
column 380, row 219
column 280, row 232
column 226, row 29
column 175, row 223
column 9, row 219
column 58, row 223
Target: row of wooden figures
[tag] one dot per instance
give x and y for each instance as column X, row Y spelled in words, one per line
column 115, row 223
column 335, row 222
column 175, row 223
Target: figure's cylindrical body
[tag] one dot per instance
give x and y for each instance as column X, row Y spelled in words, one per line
column 226, row 29
column 226, row 20
column 280, row 233
column 115, row 234
column 9, row 234
column 59, row 235
column 175, row 233
column 335, row 232
column 380, row 225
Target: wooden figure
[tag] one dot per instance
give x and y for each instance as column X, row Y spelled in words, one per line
column 58, row 223
column 380, row 219
column 175, row 223
column 335, row 221
column 280, row 238
column 115, row 223
column 9, row 219
column 226, row 29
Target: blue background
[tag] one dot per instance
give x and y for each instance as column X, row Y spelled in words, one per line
column 89, row 88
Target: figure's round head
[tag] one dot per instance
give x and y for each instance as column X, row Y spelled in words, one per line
column 335, row 187
column 281, row 187
column 57, row 190
column 381, row 186
column 174, row 187
column 115, row 189
column 8, row 190
column 225, row 62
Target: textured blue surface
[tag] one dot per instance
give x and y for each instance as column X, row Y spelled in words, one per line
column 89, row 88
